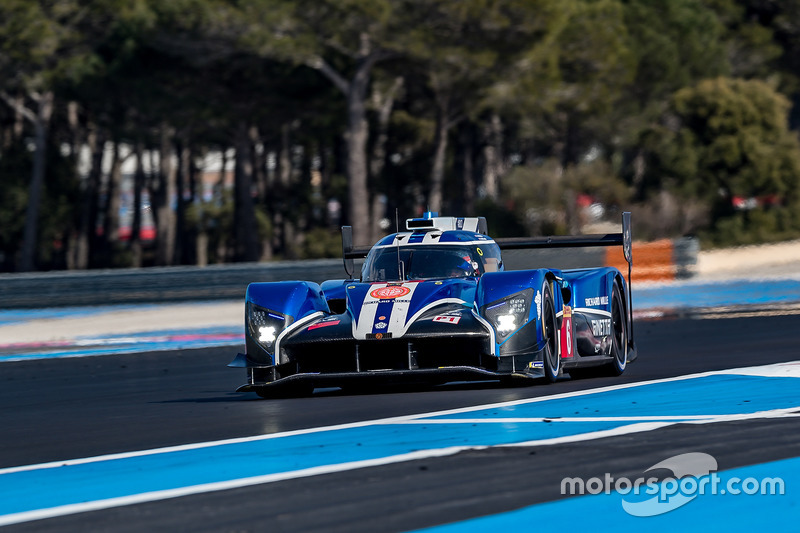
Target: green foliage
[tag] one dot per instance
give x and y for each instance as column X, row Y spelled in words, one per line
column 754, row 227
column 501, row 219
column 733, row 141
column 59, row 206
column 598, row 180
column 215, row 220
column 544, row 193
column 15, row 169
column 739, row 132
column 637, row 84
column 321, row 243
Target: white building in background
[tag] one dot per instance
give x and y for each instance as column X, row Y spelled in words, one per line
column 210, row 172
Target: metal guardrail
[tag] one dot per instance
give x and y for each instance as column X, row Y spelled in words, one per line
column 221, row 282
column 153, row 285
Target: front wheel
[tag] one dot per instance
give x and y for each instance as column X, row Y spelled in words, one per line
column 550, row 355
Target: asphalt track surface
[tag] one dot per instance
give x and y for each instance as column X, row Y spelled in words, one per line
column 56, row 410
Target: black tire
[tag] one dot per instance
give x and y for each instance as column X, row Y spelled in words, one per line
column 619, row 333
column 550, row 355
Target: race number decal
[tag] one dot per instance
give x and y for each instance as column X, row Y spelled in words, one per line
column 566, row 333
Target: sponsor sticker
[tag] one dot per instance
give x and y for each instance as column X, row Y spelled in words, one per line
column 447, row 319
column 379, row 336
column 594, row 302
column 601, row 328
column 389, row 293
column 381, row 325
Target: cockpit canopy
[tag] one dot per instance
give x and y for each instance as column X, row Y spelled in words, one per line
column 431, row 261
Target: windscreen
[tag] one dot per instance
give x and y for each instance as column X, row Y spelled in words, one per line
column 430, row 262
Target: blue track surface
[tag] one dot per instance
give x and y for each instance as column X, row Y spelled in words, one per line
column 539, row 419
column 689, row 295
column 706, row 512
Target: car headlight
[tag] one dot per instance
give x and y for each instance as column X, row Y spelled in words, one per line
column 265, row 325
column 510, row 313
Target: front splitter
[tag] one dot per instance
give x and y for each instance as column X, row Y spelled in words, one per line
column 378, row 377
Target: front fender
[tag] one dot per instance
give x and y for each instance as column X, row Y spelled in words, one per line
column 291, row 298
column 496, row 287
column 273, row 309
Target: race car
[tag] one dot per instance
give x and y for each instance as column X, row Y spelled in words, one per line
column 434, row 304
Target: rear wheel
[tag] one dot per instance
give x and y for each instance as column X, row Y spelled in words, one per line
column 619, row 342
column 619, row 333
column 552, row 360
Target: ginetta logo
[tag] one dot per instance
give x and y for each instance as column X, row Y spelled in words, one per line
column 388, row 293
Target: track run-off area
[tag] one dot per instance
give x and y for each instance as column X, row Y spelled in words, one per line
column 109, row 441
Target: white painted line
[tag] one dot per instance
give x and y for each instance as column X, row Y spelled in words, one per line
column 147, row 497
column 655, row 418
column 382, row 421
column 649, row 426
column 779, row 370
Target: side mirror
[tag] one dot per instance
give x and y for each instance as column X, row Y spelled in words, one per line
column 566, row 291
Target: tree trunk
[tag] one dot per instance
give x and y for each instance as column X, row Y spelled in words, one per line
column 357, row 133
column 41, row 123
column 113, row 199
column 19, row 118
column 190, row 232
column 437, row 173
column 280, row 189
column 356, row 138
column 87, row 226
column 467, row 152
column 493, row 156
column 135, row 241
column 183, row 181
column 244, row 211
column 76, row 140
column 384, row 103
column 162, row 201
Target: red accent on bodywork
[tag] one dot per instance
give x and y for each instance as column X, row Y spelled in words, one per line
column 567, row 334
column 323, row 324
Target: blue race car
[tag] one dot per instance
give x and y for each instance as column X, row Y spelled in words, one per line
column 434, row 304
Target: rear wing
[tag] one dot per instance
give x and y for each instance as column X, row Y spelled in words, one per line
column 624, row 239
